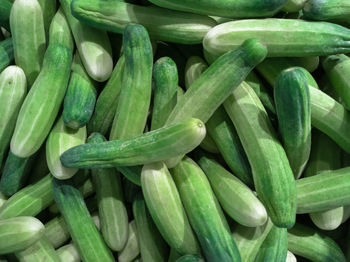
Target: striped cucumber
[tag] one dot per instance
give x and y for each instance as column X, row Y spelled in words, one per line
column 157, row 145
column 85, row 235
column 282, row 37
column 164, row 204
column 60, row 31
column 236, row 198
column 13, row 89
column 68, row 253
column 190, row 258
column 48, row 8
column 111, row 206
column 6, row 53
column 5, row 10
column 135, row 96
column 327, row 10
column 273, row 177
column 28, row 34
column 62, row 138
column 204, row 213
column 162, row 24
column 42, row 103
column 93, row 46
column 131, row 249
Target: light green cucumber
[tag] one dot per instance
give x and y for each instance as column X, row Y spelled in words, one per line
column 131, row 249
column 292, row 6
column 327, row 10
column 5, row 10
column 48, row 8
column 19, row 233
column 162, row 24
column 204, row 213
column 42, row 103
column 282, row 37
column 111, row 206
column 190, row 258
column 28, row 35
column 135, row 95
column 13, row 89
column 273, row 177
column 93, row 46
column 68, row 253
column 239, row 202
column 6, row 53
column 164, row 204
column 152, row 246
column 310, row 244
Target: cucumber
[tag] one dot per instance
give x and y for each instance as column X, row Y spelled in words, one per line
column 62, row 138
column 3, row 199
column 107, row 101
column 292, row 98
column 5, row 10
column 152, row 246
column 310, row 244
column 132, row 173
column 68, row 253
column 164, row 204
column 204, row 213
column 28, row 34
column 236, row 198
column 162, row 24
column 190, row 258
column 273, row 177
column 81, row 227
column 135, row 96
column 48, row 8
column 131, row 249
column 111, row 206
column 174, row 255
column 292, row 6
column 93, row 46
column 13, row 89
column 165, row 77
column 290, row 257
column 157, row 145
column 42, row 103
column 282, row 37
column 180, row 93
column 6, row 53
column 327, row 10
column 19, row 233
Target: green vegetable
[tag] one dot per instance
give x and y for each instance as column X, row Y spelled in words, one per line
column 5, row 9
column 68, row 253
column 131, row 249
column 290, row 257
column 48, row 8
column 3, row 199
column 327, row 10
column 292, row 6
column 132, row 173
column 6, row 53
column 60, row 31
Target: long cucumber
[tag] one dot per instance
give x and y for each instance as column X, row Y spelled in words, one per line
column 327, row 10
column 6, row 53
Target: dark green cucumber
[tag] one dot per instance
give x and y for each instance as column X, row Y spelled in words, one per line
column 5, row 9
column 85, row 235
column 157, row 145
column 6, row 53
column 293, row 109
column 204, row 213
column 135, row 96
column 190, row 258
column 327, row 10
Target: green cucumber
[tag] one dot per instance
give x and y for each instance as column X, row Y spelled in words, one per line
column 204, row 213
column 157, row 145
column 81, row 227
column 3, row 199
column 165, row 77
column 152, row 246
column 5, row 10
column 282, row 37
column 93, row 46
column 135, row 96
column 293, row 6
column 310, row 244
column 28, row 34
column 48, row 8
column 131, row 249
column 68, row 253
column 292, row 98
column 6, row 53
column 236, row 198
column 162, row 24
column 273, row 177
column 173, row 255
column 190, row 258
column 132, row 173
column 180, row 93
column 42, row 103
column 164, row 204
column 19, row 233
column 327, row 10
column 62, row 138
column 13, row 89
column 111, row 206
column 107, row 101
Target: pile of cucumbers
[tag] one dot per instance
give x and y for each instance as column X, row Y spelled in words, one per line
column 174, row 130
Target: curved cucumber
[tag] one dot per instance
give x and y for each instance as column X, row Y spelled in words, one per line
column 68, row 253
column 60, row 31
column 162, row 24
column 273, row 177
column 28, row 34
column 131, row 249
column 13, row 89
column 5, row 10
column 6, row 53
column 327, row 10
column 204, row 213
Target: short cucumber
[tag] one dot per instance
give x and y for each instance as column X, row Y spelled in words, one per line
column 43, row 102
column 190, row 258
column 5, row 10
column 6, row 53
column 327, row 10
column 131, row 249
column 162, row 24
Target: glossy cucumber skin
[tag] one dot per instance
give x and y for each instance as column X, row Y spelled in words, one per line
column 306, row 242
column 273, row 178
column 327, row 10
column 6, row 53
column 162, row 24
column 85, row 235
column 164, row 204
column 43, row 102
column 13, row 89
column 131, row 249
column 204, row 213
column 157, row 145
column 60, row 32
column 28, row 34
column 282, row 37
column 292, row 98
column 5, row 10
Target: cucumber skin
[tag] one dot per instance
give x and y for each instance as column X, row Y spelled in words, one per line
column 6, row 53
column 135, row 96
column 43, row 102
column 131, row 249
column 327, row 10
column 5, row 10
column 204, row 213
column 60, row 32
